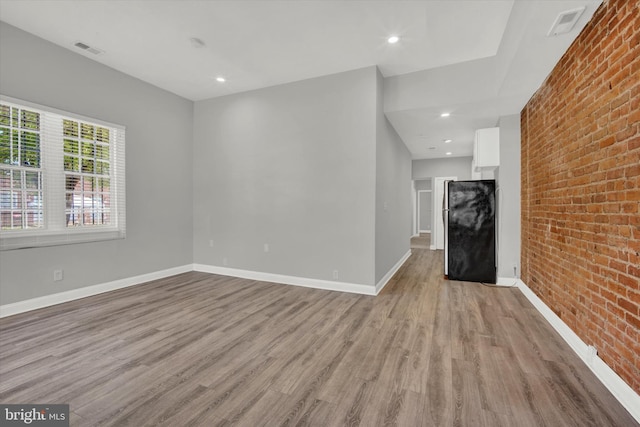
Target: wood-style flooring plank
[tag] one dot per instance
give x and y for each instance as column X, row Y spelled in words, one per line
column 467, row 407
column 199, row 349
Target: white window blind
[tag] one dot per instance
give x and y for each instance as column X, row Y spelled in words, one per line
column 62, row 177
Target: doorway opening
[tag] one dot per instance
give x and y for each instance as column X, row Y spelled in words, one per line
column 422, row 213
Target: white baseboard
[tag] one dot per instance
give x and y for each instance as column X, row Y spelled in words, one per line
column 58, row 298
column 383, row 282
column 328, row 285
column 74, row 294
column 507, row 282
column 616, row 385
column 432, row 247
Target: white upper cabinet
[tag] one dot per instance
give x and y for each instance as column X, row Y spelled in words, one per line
column 486, row 149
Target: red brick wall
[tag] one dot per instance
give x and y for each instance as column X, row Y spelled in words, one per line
column 581, row 188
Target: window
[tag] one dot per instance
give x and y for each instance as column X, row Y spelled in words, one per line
column 86, row 173
column 61, row 177
column 21, row 174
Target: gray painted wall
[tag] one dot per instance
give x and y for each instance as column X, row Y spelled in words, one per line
column 312, row 169
column 159, row 158
column 425, row 201
column 292, row 166
column 429, row 168
column 508, row 181
column 393, row 192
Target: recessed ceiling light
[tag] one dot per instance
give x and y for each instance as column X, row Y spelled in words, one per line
column 446, row 141
column 448, row 153
column 221, row 79
column 393, row 39
column 445, row 114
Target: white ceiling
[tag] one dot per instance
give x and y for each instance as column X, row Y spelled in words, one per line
column 478, row 59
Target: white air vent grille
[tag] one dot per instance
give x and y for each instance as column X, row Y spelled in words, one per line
column 88, row 48
column 565, row 21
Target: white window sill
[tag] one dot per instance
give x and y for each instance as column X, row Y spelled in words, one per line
column 25, row 240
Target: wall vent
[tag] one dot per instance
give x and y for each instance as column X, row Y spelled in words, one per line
column 88, row 48
column 565, row 21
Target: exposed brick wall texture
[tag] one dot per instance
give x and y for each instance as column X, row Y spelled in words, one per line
column 581, row 188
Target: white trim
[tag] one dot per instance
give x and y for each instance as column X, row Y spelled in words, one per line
column 328, row 285
column 26, row 240
column 382, row 283
column 616, row 385
column 69, row 114
column 508, row 282
column 432, row 247
column 414, row 207
column 74, row 294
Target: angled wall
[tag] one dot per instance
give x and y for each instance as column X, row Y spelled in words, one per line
column 158, row 149
column 293, row 167
column 291, row 180
column 393, row 192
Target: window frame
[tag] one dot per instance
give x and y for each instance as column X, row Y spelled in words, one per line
column 55, row 230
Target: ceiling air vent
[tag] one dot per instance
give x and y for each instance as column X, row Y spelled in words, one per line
column 565, row 21
column 88, row 48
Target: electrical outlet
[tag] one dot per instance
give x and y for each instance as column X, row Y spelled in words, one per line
column 210, row 243
column 515, row 271
column 58, row 275
column 335, row 274
column 266, row 247
column 225, row 261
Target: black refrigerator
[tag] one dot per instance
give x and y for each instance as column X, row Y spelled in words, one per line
column 470, row 230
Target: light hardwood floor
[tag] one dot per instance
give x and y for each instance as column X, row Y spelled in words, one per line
column 421, row 241
column 205, row 350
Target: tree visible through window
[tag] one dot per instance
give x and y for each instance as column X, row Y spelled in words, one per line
column 86, row 167
column 21, row 204
column 60, row 175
